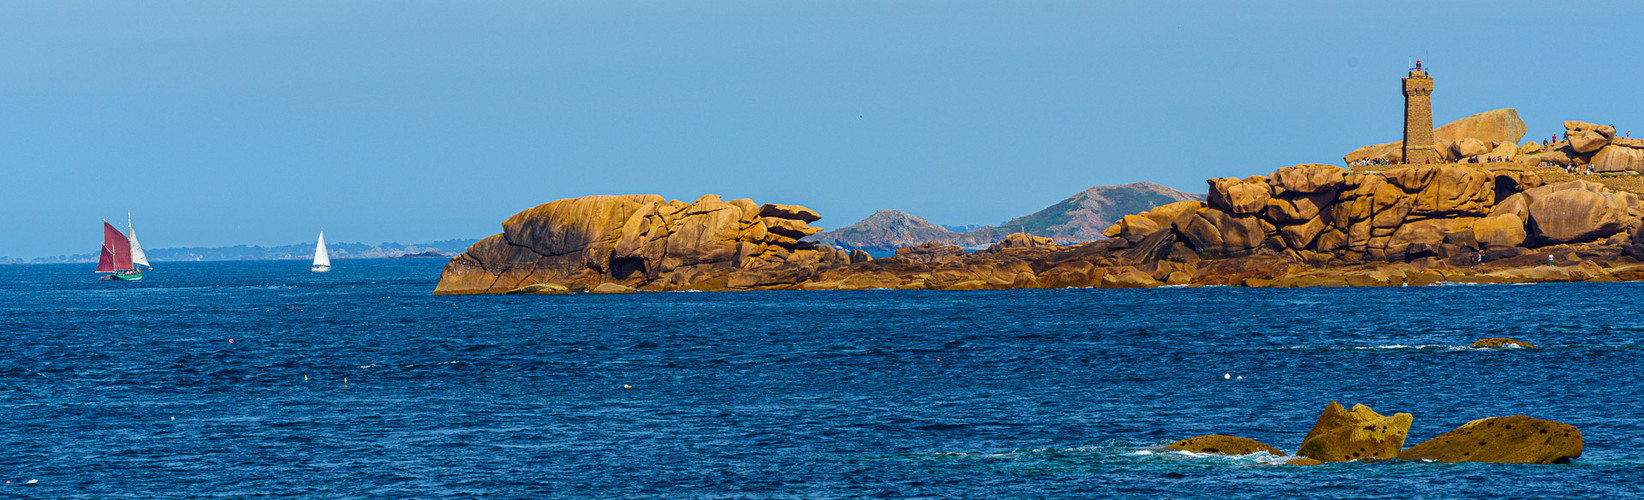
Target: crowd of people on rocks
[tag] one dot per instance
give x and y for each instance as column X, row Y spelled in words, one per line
column 1574, row 169
column 1368, row 162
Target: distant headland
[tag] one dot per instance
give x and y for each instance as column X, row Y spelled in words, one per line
column 1463, row 203
column 298, row 251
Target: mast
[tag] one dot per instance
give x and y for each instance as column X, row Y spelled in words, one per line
column 137, row 255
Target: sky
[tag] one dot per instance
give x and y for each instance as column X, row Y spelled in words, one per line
column 262, row 122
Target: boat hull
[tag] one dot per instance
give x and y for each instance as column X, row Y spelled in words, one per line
column 320, row 269
column 124, row 276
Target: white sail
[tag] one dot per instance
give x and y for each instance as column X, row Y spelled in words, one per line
column 322, row 258
column 137, row 255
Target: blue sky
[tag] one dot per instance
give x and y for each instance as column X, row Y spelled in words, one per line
column 223, row 123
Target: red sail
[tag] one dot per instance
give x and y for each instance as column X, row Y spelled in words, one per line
column 105, row 262
column 115, row 242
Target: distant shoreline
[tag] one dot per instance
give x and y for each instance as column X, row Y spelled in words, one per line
column 298, row 251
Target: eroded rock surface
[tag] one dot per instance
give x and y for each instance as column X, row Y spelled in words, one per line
column 1343, row 435
column 644, row 241
column 1223, row 444
column 1502, row 342
column 1480, row 134
column 1517, row 439
column 1306, row 225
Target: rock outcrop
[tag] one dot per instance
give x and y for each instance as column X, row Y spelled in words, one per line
column 1587, row 137
column 1476, row 135
column 1022, row 240
column 1620, row 155
column 1578, row 211
column 1501, row 342
column 1342, row 435
column 1305, row 225
column 1517, row 439
column 644, row 241
column 1226, row 445
column 1360, row 434
column 1491, row 127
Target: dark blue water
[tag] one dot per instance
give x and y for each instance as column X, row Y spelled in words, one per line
column 134, row 390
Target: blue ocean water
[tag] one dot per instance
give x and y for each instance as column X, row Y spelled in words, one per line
column 227, row 380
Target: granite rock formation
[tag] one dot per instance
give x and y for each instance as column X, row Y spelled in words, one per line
column 1517, row 439
column 1222, row 444
column 1342, row 435
column 1306, row 225
column 1483, row 133
column 643, row 241
column 1501, row 342
column 1361, row 434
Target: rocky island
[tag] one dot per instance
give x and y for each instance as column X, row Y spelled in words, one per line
column 1463, row 203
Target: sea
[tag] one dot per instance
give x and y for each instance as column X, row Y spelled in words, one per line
column 265, row 380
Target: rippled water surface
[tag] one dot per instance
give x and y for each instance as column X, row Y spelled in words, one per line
column 238, row 380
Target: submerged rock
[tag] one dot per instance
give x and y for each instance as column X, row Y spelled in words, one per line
column 1224, row 444
column 1517, row 439
column 1502, row 342
column 1342, row 435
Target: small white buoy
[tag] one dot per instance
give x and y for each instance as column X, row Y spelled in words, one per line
column 626, row 386
column 174, row 418
column 1227, row 376
column 1241, row 377
column 32, row 481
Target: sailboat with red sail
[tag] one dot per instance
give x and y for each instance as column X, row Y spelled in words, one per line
column 121, row 255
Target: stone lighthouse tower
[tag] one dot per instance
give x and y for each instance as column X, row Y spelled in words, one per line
column 1418, row 118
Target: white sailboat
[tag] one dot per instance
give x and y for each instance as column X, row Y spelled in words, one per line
column 137, row 255
column 322, row 258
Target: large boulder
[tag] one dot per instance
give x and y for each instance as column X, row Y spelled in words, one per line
column 1223, row 444
column 1569, row 214
column 1240, row 196
column 1557, row 154
column 1128, row 277
column 1135, row 226
column 1391, row 152
column 1587, row 137
column 1500, row 231
column 1217, row 233
column 1489, row 127
column 1022, row 240
column 1616, row 158
column 1310, row 178
column 1513, row 181
column 1468, row 147
column 1425, row 232
column 1449, row 191
column 1342, row 435
column 1297, row 206
column 1516, row 440
column 1506, row 151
